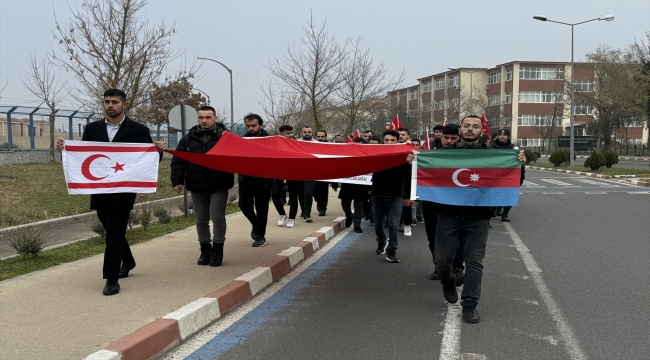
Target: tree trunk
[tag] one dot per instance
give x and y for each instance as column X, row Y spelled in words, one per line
column 52, row 118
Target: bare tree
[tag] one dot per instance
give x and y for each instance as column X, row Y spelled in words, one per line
column 547, row 125
column 280, row 107
column 43, row 83
column 110, row 44
column 364, row 85
column 310, row 68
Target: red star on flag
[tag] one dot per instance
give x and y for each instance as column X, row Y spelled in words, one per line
column 118, row 167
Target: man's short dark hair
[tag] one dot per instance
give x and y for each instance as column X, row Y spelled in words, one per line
column 471, row 117
column 323, row 131
column 394, row 133
column 450, row 129
column 404, row 129
column 376, row 138
column 115, row 92
column 359, row 140
column 252, row 116
column 415, row 139
column 437, row 127
column 337, row 135
column 284, row 128
column 208, row 108
column 369, row 131
column 306, row 127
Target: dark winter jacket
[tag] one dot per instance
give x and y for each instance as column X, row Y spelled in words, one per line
column 354, row 191
column 468, row 212
column 496, row 144
column 253, row 179
column 199, row 178
column 393, row 182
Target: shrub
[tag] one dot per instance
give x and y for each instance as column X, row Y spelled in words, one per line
column 595, row 161
column 537, row 155
column 163, row 215
column 559, row 157
column 145, row 217
column 232, row 197
column 134, row 218
column 190, row 206
column 529, row 156
column 99, row 228
column 28, row 242
column 611, row 158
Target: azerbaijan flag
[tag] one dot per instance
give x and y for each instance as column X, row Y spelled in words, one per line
column 467, row 177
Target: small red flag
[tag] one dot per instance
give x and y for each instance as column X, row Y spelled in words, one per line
column 356, row 134
column 427, row 143
column 486, row 129
column 444, row 121
column 395, row 124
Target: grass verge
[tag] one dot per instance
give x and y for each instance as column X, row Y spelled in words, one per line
column 603, row 170
column 20, row 265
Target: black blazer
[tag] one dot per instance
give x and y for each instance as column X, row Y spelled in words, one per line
column 129, row 132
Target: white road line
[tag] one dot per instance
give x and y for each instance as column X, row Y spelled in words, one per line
column 553, row 193
column 594, row 182
column 595, row 192
column 568, row 337
column 450, row 345
column 556, row 182
column 638, row 192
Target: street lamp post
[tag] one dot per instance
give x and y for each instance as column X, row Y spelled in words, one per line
column 571, row 135
column 232, row 112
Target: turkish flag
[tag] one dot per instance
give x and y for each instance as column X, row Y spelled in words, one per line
column 444, row 121
column 395, row 124
column 427, row 143
column 107, row 168
column 356, row 134
column 486, row 129
column 348, row 139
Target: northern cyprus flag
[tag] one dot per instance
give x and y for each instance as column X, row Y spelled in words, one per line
column 106, row 168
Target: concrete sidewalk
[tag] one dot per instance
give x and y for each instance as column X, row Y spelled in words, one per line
column 60, row 313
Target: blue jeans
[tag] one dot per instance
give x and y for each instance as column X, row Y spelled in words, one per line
column 451, row 232
column 391, row 208
column 210, row 206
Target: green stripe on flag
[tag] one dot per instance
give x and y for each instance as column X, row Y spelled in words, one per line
column 468, row 158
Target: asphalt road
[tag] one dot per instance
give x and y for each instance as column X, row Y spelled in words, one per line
column 622, row 164
column 566, row 279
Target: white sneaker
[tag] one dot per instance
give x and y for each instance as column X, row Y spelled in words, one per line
column 283, row 218
column 407, row 231
column 291, row 223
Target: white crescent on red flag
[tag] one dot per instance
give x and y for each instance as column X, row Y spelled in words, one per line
column 395, row 124
column 486, row 129
column 107, row 168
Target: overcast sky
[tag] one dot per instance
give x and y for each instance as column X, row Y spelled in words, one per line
column 423, row 37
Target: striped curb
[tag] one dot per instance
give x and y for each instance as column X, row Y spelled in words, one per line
column 158, row 337
column 600, row 176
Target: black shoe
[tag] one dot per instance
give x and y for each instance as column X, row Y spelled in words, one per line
column 308, row 219
column 259, row 242
column 470, row 315
column 449, row 290
column 124, row 271
column 499, row 212
column 348, row 221
column 204, row 259
column 391, row 258
column 434, row 275
column 459, row 277
column 216, row 254
column 321, row 213
column 381, row 247
column 420, row 219
column 254, row 235
column 505, row 218
column 112, row 287
column 357, row 229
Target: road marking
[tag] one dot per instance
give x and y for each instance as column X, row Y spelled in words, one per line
column 568, row 337
column 450, row 345
column 638, row 192
column 531, row 184
column 595, row 192
column 556, row 182
column 599, row 183
column 553, row 193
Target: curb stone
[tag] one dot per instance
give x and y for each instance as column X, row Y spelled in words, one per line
column 600, row 176
column 161, row 335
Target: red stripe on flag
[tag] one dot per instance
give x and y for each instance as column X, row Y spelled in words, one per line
column 116, row 184
column 110, row 149
column 486, row 177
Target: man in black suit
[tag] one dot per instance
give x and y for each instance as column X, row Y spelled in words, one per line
column 113, row 209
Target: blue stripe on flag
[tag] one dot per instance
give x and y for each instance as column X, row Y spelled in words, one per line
column 469, row 196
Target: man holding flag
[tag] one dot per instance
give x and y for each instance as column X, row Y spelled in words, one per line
column 464, row 224
column 113, row 208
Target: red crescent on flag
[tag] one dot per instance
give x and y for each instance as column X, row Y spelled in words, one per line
column 85, row 167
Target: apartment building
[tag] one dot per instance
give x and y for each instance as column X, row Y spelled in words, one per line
column 527, row 97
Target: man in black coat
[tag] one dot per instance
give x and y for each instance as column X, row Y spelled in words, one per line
column 113, row 209
column 502, row 141
column 209, row 188
column 255, row 192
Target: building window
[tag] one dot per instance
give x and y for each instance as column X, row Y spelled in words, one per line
column 440, row 84
column 453, row 103
column 427, row 107
column 402, row 93
column 532, row 142
column 508, row 98
column 535, row 73
column 508, row 121
column 494, row 100
column 508, row 74
column 427, row 86
column 413, row 112
column 414, row 94
column 441, row 105
column 454, row 81
column 579, row 109
column 539, row 97
column 536, row 120
column 635, row 141
column 583, row 85
column 494, row 77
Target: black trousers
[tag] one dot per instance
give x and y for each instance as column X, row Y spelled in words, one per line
column 346, row 205
column 276, row 195
column 117, row 248
column 430, row 216
column 321, row 190
column 254, row 199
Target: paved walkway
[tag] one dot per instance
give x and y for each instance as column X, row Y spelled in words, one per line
column 60, row 313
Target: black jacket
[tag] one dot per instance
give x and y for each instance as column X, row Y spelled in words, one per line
column 354, row 191
column 393, row 182
column 496, row 144
column 196, row 177
column 129, row 132
column 468, row 212
column 253, row 179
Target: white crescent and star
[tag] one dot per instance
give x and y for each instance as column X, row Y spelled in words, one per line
column 454, row 177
